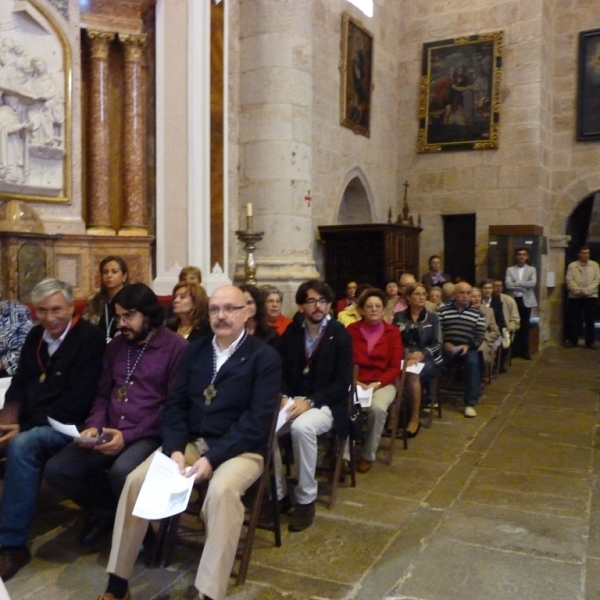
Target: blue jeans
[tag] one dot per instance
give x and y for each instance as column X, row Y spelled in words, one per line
column 470, row 362
column 26, row 455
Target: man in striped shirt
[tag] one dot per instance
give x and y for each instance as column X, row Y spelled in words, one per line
column 463, row 330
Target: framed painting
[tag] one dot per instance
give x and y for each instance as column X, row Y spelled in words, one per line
column 459, row 106
column 588, row 97
column 356, row 69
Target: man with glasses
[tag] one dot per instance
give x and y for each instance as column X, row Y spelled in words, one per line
column 139, row 370
column 57, row 374
column 216, row 421
column 316, row 357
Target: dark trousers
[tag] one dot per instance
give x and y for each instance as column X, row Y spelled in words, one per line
column 470, row 362
column 576, row 308
column 94, row 480
column 521, row 341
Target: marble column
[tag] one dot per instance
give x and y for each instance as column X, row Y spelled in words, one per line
column 99, row 134
column 135, row 201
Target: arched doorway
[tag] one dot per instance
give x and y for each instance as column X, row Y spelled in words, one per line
column 354, row 207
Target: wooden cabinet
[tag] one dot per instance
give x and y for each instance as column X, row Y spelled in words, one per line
column 374, row 253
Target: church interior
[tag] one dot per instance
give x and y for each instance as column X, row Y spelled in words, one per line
column 297, row 139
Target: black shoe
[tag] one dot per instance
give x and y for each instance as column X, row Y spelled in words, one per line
column 96, row 530
column 413, row 434
column 525, row 356
column 303, row 517
column 285, row 505
column 12, row 560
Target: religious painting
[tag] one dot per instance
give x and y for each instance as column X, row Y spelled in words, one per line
column 35, row 82
column 588, row 100
column 459, row 107
column 356, row 75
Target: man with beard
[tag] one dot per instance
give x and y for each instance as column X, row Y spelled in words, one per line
column 57, row 374
column 138, row 373
column 217, row 421
column 316, row 357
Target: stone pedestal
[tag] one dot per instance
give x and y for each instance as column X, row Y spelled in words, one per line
column 98, row 127
column 135, row 209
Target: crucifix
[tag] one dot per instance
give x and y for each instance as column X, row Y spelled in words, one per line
column 308, row 198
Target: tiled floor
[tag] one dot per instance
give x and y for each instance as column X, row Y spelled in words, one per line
column 501, row 507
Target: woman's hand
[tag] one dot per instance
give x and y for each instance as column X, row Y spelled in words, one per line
column 8, row 433
column 113, row 445
column 415, row 357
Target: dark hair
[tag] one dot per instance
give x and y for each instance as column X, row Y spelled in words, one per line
column 522, row 249
column 485, row 282
column 583, row 248
column 138, row 296
column 361, row 288
column 314, row 284
column 199, row 304
column 369, row 293
column 101, row 298
column 190, row 270
column 432, row 257
column 263, row 329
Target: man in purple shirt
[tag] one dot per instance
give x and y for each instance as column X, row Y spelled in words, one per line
column 138, row 372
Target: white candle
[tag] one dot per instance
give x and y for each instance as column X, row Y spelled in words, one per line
column 249, row 209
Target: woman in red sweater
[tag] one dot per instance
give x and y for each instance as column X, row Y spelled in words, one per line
column 377, row 349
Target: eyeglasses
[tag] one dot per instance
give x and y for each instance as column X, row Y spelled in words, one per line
column 273, row 302
column 42, row 313
column 228, row 310
column 127, row 317
column 315, row 301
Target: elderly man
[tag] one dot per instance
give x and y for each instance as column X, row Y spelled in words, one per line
column 317, row 372
column 509, row 307
column 138, row 372
column 583, row 277
column 492, row 331
column 217, row 421
column 463, row 330
column 57, row 374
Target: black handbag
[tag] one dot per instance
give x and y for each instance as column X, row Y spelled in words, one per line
column 358, row 420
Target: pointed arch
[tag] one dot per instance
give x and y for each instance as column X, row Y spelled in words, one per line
column 356, row 199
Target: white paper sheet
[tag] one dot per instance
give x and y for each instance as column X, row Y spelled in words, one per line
column 165, row 492
column 365, row 397
column 69, row 430
column 4, row 385
column 282, row 416
column 416, row 369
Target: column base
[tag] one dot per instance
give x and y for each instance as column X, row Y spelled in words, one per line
column 132, row 231
column 100, row 231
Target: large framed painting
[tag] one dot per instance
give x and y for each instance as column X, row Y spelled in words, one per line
column 588, row 99
column 459, row 106
column 356, row 76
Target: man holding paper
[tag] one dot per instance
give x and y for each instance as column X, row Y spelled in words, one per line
column 57, row 374
column 217, row 421
column 316, row 357
column 139, row 370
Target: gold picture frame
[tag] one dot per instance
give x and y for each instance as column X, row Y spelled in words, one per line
column 459, row 107
column 356, row 70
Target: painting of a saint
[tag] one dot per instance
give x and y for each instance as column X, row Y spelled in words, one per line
column 588, row 105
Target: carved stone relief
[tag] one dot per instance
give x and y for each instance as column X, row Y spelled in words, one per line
column 62, row 6
column 32, row 103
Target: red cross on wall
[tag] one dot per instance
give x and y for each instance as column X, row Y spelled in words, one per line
column 308, row 198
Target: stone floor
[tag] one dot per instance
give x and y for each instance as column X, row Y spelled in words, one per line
column 501, row 507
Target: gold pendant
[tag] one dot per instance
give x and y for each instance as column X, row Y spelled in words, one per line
column 209, row 393
column 43, row 377
column 122, row 393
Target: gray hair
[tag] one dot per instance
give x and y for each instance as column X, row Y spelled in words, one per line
column 47, row 287
column 267, row 290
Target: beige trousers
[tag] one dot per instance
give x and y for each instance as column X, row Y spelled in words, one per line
column 222, row 513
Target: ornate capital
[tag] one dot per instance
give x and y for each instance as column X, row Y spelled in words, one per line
column 134, row 45
column 100, row 42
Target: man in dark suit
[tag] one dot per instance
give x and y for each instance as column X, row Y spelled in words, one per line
column 216, row 421
column 316, row 357
column 59, row 367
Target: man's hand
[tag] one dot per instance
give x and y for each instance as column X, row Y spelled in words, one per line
column 114, row 445
column 201, row 470
column 89, row 432
column 8, row 433
column 299, row 406
column 179, row 458
column 465, row 349
column 448, row 346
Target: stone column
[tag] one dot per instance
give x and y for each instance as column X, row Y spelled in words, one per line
column 98, row 126
column 135, row 208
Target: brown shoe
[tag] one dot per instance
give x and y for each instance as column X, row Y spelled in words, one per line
column 12, row 560
column 303, row 517
column 364, row 466
column 107, row 596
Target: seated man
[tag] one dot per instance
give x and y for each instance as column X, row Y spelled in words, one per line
column 317, row 372
column 15, row 323
column 349, row 300
column 217, row 420
column 138, row 372
column 57, row 374
column 463, row 329
column 492, row 332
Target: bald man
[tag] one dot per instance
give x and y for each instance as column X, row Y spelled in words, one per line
column 217, row 421
column 463, row 331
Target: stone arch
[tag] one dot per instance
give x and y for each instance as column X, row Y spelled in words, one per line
column 567, row 200
column 583, row 224
column 356, row 200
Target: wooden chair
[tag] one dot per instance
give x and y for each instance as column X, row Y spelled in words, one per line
column 169, row 531
column 396, row 412
column 434, row 393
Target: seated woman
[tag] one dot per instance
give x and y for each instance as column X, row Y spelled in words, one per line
column 435, row 297
column 190, row 311
column 421, row 336
column 190, row 274
column 377, row 347
column 391, row 290
column 256, row 324
column 100, row 310
column 492, row 331
column 273, row 302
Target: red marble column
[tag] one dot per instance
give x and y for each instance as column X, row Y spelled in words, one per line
column 135, row 208
column 98, row 127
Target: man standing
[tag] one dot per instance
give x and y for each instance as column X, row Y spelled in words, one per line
column 138, row 372
column 463, row 330
column 520, row 282
column 317, row 372
column 583, row 277
column 216, row 420
column 57, row 374
column 435, row 275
